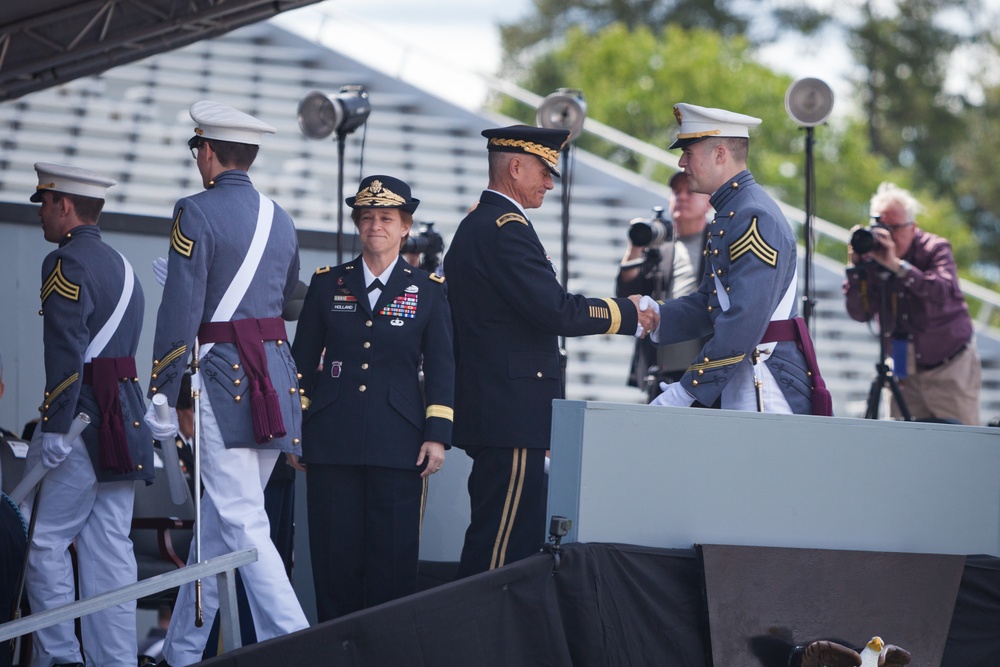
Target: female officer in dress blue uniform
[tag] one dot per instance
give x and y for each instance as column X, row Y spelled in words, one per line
column 370, row 438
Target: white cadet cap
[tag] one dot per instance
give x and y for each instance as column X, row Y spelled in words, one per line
column 697, row 123
column 218, row 121
column 70, row 180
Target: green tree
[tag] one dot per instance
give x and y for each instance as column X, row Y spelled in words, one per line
column 632, row 79
column 632, row 61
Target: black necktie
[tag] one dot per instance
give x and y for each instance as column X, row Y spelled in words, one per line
column 375, row 284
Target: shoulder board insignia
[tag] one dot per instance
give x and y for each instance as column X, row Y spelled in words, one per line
column 180, row 243
column 752, row 242
column 436, row 278
column 322, row 269
column 60, row 284
column 510, row 217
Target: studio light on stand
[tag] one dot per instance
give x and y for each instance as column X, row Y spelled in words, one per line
column 564, row 109
column 321, row 115
column 809, row 102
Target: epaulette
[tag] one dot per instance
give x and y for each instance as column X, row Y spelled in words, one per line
column 322, row 269
column 436, row 278
column 510, row 217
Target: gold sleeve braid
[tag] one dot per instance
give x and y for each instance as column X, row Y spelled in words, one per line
column 614, row 314
column 441, row 411
column 718, row 363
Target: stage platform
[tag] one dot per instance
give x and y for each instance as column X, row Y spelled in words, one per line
column 712, row 538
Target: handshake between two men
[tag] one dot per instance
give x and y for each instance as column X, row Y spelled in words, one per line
column 649, row 314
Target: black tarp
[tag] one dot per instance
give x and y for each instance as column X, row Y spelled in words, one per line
column 608, row 605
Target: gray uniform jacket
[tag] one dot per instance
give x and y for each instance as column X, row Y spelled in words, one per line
column 82, row 282
column 751, row 250
column 211, row 235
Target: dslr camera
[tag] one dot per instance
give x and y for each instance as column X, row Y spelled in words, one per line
column 651, row 231
column 427, row 243
column 864, row 239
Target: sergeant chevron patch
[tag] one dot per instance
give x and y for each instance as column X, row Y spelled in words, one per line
column 182, row 244
column 754, row 243
column 60, row 284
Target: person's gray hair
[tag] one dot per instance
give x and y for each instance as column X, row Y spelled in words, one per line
column 890, row 193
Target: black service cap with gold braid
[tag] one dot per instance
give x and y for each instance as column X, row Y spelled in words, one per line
column 540, row 141
column 382, row 191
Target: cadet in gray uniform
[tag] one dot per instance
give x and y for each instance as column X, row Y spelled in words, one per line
column 746, row 300
column 92, row 308
column 232, row 266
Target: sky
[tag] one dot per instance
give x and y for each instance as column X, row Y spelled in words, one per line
column 448, row 46
column 444, row 46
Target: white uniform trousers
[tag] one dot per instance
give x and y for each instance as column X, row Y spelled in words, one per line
column 233, row 519
column 741, row 394
column 72, row 505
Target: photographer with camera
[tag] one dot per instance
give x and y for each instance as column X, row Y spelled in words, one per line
column 424, row 249
column 927, row 329
column 664, row 259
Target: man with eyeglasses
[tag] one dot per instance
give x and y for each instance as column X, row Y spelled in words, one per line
column 928, row 328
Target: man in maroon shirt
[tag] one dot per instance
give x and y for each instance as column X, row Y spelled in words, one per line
column 927, row 327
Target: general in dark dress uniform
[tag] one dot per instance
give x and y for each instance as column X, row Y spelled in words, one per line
column 371, row 434
column 92, row 307
column 508, row 310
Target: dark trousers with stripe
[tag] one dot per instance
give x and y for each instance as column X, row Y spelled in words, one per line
column 364, row 535
column 507, row 491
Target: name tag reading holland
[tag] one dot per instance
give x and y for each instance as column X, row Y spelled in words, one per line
column 344, row 303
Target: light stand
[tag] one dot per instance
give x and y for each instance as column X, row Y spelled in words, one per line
column 320, row 115
column 564, row 109
column 809, row 102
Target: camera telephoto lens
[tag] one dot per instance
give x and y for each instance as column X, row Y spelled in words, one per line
column 863, row 240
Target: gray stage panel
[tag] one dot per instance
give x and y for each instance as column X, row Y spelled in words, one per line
column 674, row 477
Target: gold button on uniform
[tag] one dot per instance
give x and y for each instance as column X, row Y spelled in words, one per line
column 135, row 424
column 291, row 390
column 539, row 374
column 362, row 388
column 367, row 345
column 364, row 366
column 368, row 323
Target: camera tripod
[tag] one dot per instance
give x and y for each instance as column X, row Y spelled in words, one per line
column 884, row 375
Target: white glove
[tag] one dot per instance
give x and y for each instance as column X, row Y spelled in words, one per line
column 164, row 432
column 55, row 448
column 674, row 395
column 160, row 270
column 645, row 303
